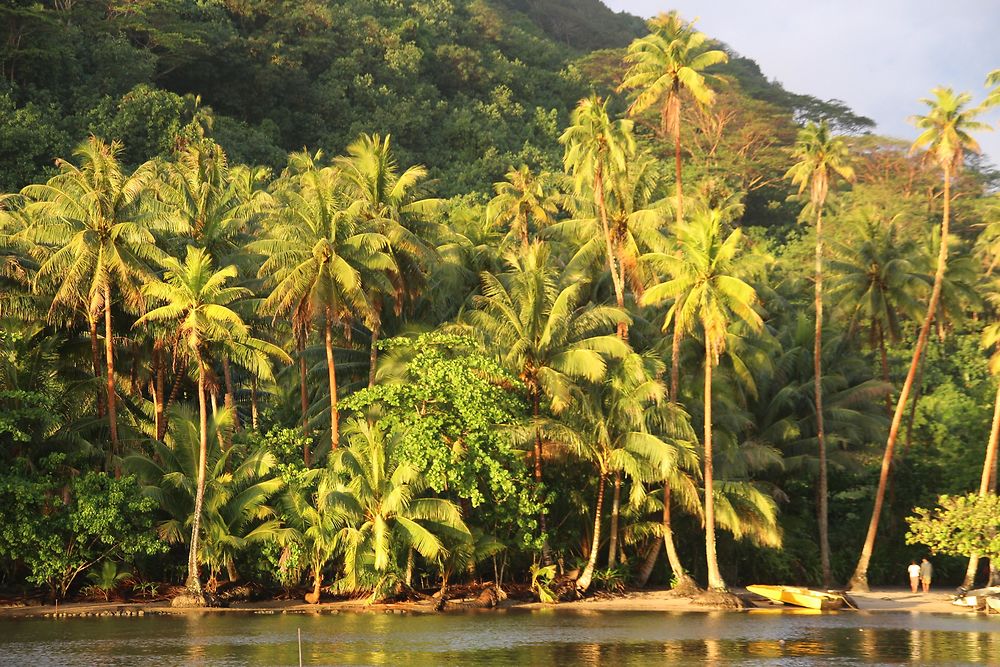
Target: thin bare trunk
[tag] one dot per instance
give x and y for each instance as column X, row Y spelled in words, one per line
column 583, row 583
column 109, row 349
column 984, row 480
column 917, row 391
column 824, row 535
column 254, row 411
column 648, row 563
column 373, row 353
column 609, row 248
column 715, row 581
column 174, row 392
column 230, row 398
column 616, row 499
column 160, row 385
column 96, row 359
column 303, row 397
column 331, row 369
column 677, row 165
column 859, row 581
column 542, row 519
column 885, row 367
column 193, row 580
column 680, row 574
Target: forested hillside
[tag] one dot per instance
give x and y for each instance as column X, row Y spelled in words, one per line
column 356, row 296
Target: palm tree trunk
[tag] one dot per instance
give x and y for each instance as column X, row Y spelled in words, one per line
column 193, row 582
column 542, row 520
column 303, row 396
column 96, row 359
column 109, row 349
column 648, row 564
column 984, row 481
column 373, row 353
column 859, row 581
column 615, row 511
column 174, row 391
column 331, row 369
column 675, row 100
column 230, row 398
column 824, row 535
column 583, row 583
column 885, row 366
column 609, row 248
column 715, row 581
column 160, row 385
column 254, row 412
column 684, row 581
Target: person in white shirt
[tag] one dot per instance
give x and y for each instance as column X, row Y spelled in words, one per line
column 914, row 571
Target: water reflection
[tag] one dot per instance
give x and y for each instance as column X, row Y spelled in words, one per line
column 549, row 637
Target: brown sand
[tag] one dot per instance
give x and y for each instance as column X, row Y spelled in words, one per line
column 658, row 600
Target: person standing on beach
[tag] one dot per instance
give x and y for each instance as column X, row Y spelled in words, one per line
column 914, row 571
column 926, row 572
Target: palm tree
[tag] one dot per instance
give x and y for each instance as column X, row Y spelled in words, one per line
column 713, row 297
column 945, row 132
column 669, row 61
column 310, row 527
column 386, row 515
column 215, row 204
column 876, row 282
column 93, row 220
column 390, row 200
column 597, row 149
column 195, row 296
column 624, row 425
column 544, row 332
column 322, row 259
column 991, row 341
column 821, row 157
column 523, row 201
column 238, row 485
column 993, row 81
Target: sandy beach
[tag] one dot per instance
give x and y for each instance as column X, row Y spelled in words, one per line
column 879, row 600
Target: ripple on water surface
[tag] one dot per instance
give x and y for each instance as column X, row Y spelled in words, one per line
column 518, row 637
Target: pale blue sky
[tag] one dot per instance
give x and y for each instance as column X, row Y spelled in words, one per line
column 878, row 56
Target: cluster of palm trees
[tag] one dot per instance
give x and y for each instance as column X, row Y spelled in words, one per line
column 208, row 280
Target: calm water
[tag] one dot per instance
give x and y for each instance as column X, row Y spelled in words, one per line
column 546, row 637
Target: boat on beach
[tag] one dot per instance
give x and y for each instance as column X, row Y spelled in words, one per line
column 977, row 598
column 993, row 605
column 803, row 597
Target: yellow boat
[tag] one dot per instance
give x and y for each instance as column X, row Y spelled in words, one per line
column 802, row 597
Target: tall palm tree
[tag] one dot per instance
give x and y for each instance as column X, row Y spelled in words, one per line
column 991, row 341
column 598, row 148
column 624, row 425
column 321, row 259
column 196, row 297
column 238, row 486
column 821, row 156
column 391, row 201
column 94, row 221
column 215, row 204
column 544, row 332
column 524, row 200
column 713, row 297
column 663, row 65
column 386, row 513
column 945, row 132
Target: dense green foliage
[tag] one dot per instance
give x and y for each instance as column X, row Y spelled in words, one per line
column 495, row 320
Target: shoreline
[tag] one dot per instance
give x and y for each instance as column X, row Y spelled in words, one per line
column 879, row 600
